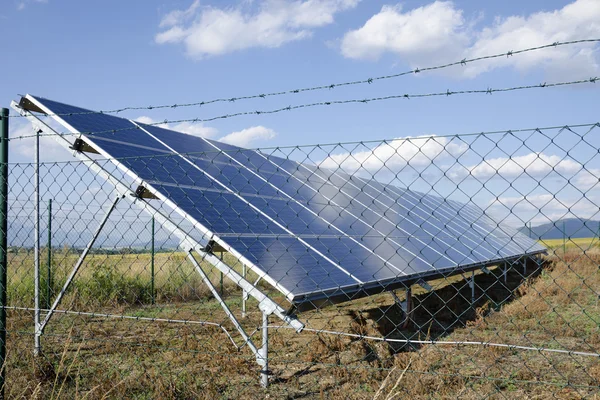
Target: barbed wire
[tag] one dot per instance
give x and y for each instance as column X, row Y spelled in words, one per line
column 407, row 96
column 462, row 62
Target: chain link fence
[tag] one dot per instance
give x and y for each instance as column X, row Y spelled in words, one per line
column 139, row 321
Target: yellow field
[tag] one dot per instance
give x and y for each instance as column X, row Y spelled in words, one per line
column 582, row 243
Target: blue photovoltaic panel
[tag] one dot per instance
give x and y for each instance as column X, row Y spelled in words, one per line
column 315, row 232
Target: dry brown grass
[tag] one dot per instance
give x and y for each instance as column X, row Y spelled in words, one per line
column 95, row 358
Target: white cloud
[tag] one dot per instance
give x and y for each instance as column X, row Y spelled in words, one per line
column 532, row 164
column 438, row 32
column 527, row 202
column 587, row 179
column 247, row 136
column 417, row 34
column 176, row 17
column 577, row 20
column 240, row 138
column 209, row 31
column 542, row 208
column 23, row 149
column 195, row 129
column 416, row 152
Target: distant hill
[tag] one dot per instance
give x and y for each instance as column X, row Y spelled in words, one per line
column 573, row 228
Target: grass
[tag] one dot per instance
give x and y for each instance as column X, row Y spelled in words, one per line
column 122, row 279
column 96, row 357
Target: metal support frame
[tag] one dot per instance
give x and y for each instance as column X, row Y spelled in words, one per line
column 40, row 328
column 265, row 303
column 425, row 285
column 472, row 286
column 217, row 296
column 188, row 243
column 406, row 306
column 244, row 293
column 261, row 353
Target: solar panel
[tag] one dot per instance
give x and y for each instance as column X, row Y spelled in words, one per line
column 314, row 233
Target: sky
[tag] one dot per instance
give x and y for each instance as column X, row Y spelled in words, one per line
column 106, row 55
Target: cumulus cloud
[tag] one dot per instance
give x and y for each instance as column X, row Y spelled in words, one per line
column 418, row 152
column 210, row 31
column 23, row 150
column 196, row 129
column 532, row 164
column 242, row 138
column 587, row 179
column 247, row 136
column 438, row 31
column 416, row 34
column 545, row 207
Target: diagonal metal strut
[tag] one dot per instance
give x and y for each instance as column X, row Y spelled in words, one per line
column 78, row 265
column 217, row 296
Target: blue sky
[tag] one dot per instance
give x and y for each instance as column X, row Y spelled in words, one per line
column 106, row 55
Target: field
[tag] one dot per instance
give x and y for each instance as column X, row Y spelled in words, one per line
column 578, row 243
column 553, row 305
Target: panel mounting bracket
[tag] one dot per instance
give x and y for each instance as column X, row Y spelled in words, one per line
column 143, row 193
column 425, row 285
column 214, row 247
column 81, row 146
column 28, row 105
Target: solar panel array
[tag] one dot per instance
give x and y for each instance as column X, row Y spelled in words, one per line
column 316, row 233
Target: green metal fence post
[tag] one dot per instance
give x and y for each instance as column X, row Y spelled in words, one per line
column 49, row 283
column 3, row 241
column 152, row 264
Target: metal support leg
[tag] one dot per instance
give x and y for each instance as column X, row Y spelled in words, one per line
column 78, row 264
column 472, row 285
column 505, row 272
column 525, row 266
column 244, row 293
column 216, row 295
column 264, row 352
column 405, row 305
column 408, row 308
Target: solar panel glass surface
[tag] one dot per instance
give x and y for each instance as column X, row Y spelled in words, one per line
column 313, row 231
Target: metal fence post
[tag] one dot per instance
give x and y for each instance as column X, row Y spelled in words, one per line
column 3, row 241
column 37, row 347
column 49, row 260
column 152, row 263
